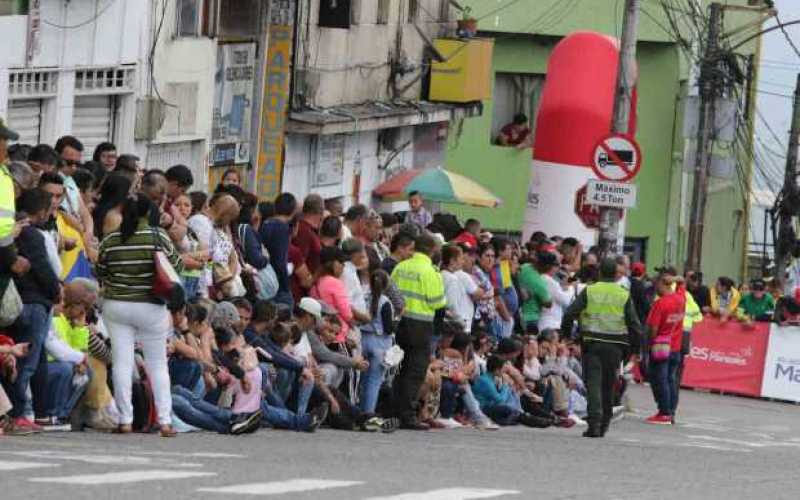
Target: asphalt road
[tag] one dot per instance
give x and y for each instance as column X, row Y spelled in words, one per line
column 724, row 447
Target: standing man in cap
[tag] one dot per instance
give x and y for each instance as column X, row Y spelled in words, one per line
column 609, row 331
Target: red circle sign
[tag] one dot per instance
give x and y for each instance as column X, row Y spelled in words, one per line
column 617, row 157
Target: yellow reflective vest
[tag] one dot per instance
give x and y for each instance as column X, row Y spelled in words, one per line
column 7, row 208
column 421, row 286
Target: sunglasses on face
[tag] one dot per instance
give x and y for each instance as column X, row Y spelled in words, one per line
column 74, row 163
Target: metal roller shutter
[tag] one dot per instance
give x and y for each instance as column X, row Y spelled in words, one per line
column 25, row 118
column 92, row 122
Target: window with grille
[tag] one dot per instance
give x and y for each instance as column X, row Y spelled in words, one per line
column 32, row 83
column 104, row 80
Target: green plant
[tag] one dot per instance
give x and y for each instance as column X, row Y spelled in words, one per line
column 466, row 11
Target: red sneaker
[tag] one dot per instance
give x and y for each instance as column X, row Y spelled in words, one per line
column 659, row 419
column 22, row 426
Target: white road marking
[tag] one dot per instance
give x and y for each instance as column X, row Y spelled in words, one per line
column 450, row 494
column 134, row 476
column 280, row 487
column 100, row 459
column 199, row 454
column 7, row 466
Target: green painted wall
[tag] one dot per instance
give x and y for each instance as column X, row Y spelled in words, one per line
column 504, row 171
column 664, row 189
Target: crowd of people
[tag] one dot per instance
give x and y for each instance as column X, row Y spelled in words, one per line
column 130, row 302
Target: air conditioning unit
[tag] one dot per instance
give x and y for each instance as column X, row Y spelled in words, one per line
column 150, row 114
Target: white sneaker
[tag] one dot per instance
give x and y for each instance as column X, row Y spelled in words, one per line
column 578, row 420
column 449, row 423
column 487, row 425
column 618, row 413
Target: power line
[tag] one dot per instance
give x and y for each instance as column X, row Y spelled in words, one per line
column 84, row 23
column 499, row 9
column 786, row 35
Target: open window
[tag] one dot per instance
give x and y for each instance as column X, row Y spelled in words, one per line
column 413, row 11
column 384, row 8
column 13, row 7
column 239, row 19
column 188, row 16
column 335, row 13
column 515, row 94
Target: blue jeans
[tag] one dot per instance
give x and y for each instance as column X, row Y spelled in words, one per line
column 448, row 398
column 374, row 347
column 62, row 396
column 292, row 390
column 281, row 418
column 184, row 372
column 502, row 414
column 663, row 381
column 191, row 284
column 285, row 298
column 197, row 412
column 31, row 326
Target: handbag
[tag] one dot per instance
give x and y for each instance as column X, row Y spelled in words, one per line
column 266, row 280
column 166, row 281
column 660, row 349
column 10, row 303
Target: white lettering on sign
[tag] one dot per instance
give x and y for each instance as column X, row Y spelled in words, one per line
column 611, row 194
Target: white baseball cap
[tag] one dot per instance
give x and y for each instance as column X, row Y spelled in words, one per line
column 315, row 307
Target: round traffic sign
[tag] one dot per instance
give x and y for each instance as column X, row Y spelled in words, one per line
column 617, row 158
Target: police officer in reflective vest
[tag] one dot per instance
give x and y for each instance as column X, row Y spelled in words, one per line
column 423, row 290
column 9, row 260
column 610, row 332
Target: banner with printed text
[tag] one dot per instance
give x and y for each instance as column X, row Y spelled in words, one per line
column 782, row 364
column 727, row 356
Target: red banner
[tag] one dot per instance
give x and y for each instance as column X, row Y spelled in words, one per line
column 727, row 356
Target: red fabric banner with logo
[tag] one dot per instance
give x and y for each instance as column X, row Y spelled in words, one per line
column 727, row 356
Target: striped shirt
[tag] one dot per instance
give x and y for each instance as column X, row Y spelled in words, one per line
column 125, row 269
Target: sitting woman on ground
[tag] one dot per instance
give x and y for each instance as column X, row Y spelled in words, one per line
column 132, row 313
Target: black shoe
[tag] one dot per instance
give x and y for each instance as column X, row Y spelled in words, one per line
column 318, row 416
column 604, row 427
column 390, row 425
column 593, row 432
column 414, row 425
column 246, row 423
column 529, row 420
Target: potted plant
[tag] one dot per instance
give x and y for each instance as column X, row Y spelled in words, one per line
column 467, row 25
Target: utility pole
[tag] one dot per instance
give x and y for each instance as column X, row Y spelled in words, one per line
column 787, row 208
column 709, row 84
column 626, row 80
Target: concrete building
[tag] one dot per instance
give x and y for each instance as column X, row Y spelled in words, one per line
column 359, row 111
column 656, row 230
column 158, row 78
column 72, row 68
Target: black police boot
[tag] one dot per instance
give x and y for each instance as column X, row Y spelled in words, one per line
column 594, row 431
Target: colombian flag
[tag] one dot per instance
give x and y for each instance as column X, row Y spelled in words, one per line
column 74, row 263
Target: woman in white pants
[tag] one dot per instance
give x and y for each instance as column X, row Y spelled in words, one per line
column 130, row 310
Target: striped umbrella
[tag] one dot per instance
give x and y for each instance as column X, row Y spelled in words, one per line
column 439, row 185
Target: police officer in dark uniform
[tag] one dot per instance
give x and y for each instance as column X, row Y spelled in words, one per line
column 610, row 331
